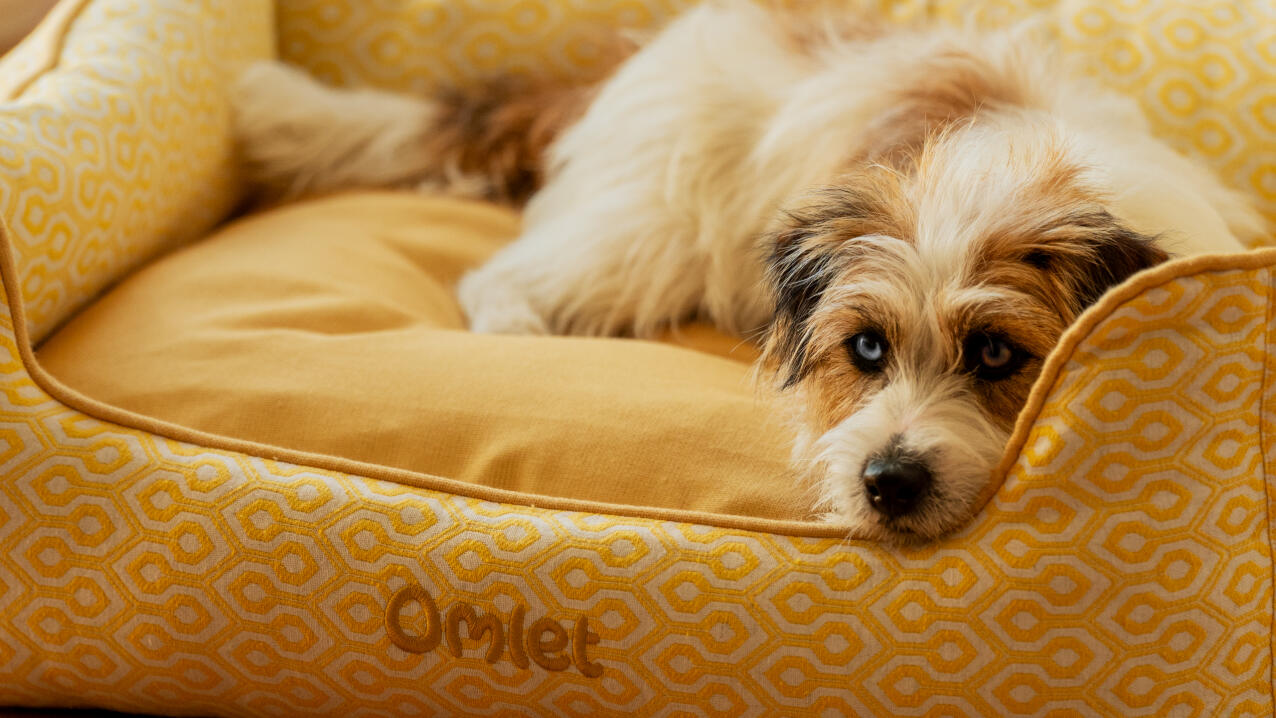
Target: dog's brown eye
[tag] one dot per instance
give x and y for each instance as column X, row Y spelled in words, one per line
column 991, row 357
column 996, row 354
column 867, row 350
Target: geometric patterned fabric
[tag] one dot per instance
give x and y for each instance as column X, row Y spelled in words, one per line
column 121, row 149
column 1123, row 568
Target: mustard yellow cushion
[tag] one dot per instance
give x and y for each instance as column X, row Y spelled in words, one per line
column 330, row 327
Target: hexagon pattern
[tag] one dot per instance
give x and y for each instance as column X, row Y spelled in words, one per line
column 1123, row 568
column 87, row 201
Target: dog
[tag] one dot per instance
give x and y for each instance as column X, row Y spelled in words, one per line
column 910, row 218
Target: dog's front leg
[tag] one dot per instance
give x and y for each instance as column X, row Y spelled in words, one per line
column 572, row 276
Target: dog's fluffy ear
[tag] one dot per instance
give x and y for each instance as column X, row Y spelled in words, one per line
column 1117, row 255
column 798, row 272
column 812, row 247
column 1103, row 253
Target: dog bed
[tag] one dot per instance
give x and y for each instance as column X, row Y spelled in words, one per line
column 267, row 474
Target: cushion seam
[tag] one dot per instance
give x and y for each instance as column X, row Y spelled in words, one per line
column 1265, row 410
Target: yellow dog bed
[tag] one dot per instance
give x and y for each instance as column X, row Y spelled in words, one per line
column 268, row 475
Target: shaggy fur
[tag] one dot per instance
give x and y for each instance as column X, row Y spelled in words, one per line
column 914, row 216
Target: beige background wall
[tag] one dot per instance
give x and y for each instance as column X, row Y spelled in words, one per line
column 17, row 17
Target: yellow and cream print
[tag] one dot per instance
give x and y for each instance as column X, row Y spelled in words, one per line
column 116, row 142
column 1123, row 569
column 1204, row 72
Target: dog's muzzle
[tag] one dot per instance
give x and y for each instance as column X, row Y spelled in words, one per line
column 896, row 481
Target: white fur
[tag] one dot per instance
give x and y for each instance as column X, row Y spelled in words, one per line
column 935, row 417
column 297, row 136
column 656, row 199
column 659, row 193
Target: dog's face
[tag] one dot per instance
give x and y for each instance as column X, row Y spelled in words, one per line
column 914, row 305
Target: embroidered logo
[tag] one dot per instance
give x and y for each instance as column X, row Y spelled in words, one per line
column 545, row 642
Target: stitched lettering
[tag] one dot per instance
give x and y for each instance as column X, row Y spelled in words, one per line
column 581, row 641
column 479, row 626
column 541, row 649
column 517, row 654
column 545, row 642
column 394, row 615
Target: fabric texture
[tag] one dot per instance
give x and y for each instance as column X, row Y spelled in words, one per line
column 119, row 146
column 1123, row 568
column 330, row 327
column 1122, row 565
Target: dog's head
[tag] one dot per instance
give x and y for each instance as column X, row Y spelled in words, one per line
column 914, row 305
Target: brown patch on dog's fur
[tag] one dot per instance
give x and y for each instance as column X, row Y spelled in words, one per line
column 499, row 130
column 813, row 249
column 1003, row 399
column 1053, row 257
column 1062, row 247
column 948, row 87
column 833, row 390
column 1058, row 271
column 1018, row 315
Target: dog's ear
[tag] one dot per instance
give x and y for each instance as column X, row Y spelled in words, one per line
column 1099, row 253
column 1117, row 254
column 798, row 272
column 811, row 247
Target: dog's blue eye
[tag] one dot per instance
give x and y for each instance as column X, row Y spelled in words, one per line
column 867, row 350
column 991, row 357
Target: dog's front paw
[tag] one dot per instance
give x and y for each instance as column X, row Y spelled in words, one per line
column 496, row 307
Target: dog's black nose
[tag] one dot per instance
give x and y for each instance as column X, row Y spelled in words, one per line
column 895, row 484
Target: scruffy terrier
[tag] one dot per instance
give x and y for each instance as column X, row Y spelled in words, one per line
column 913, row 217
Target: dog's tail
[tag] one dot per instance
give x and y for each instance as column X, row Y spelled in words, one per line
column 297, row 137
